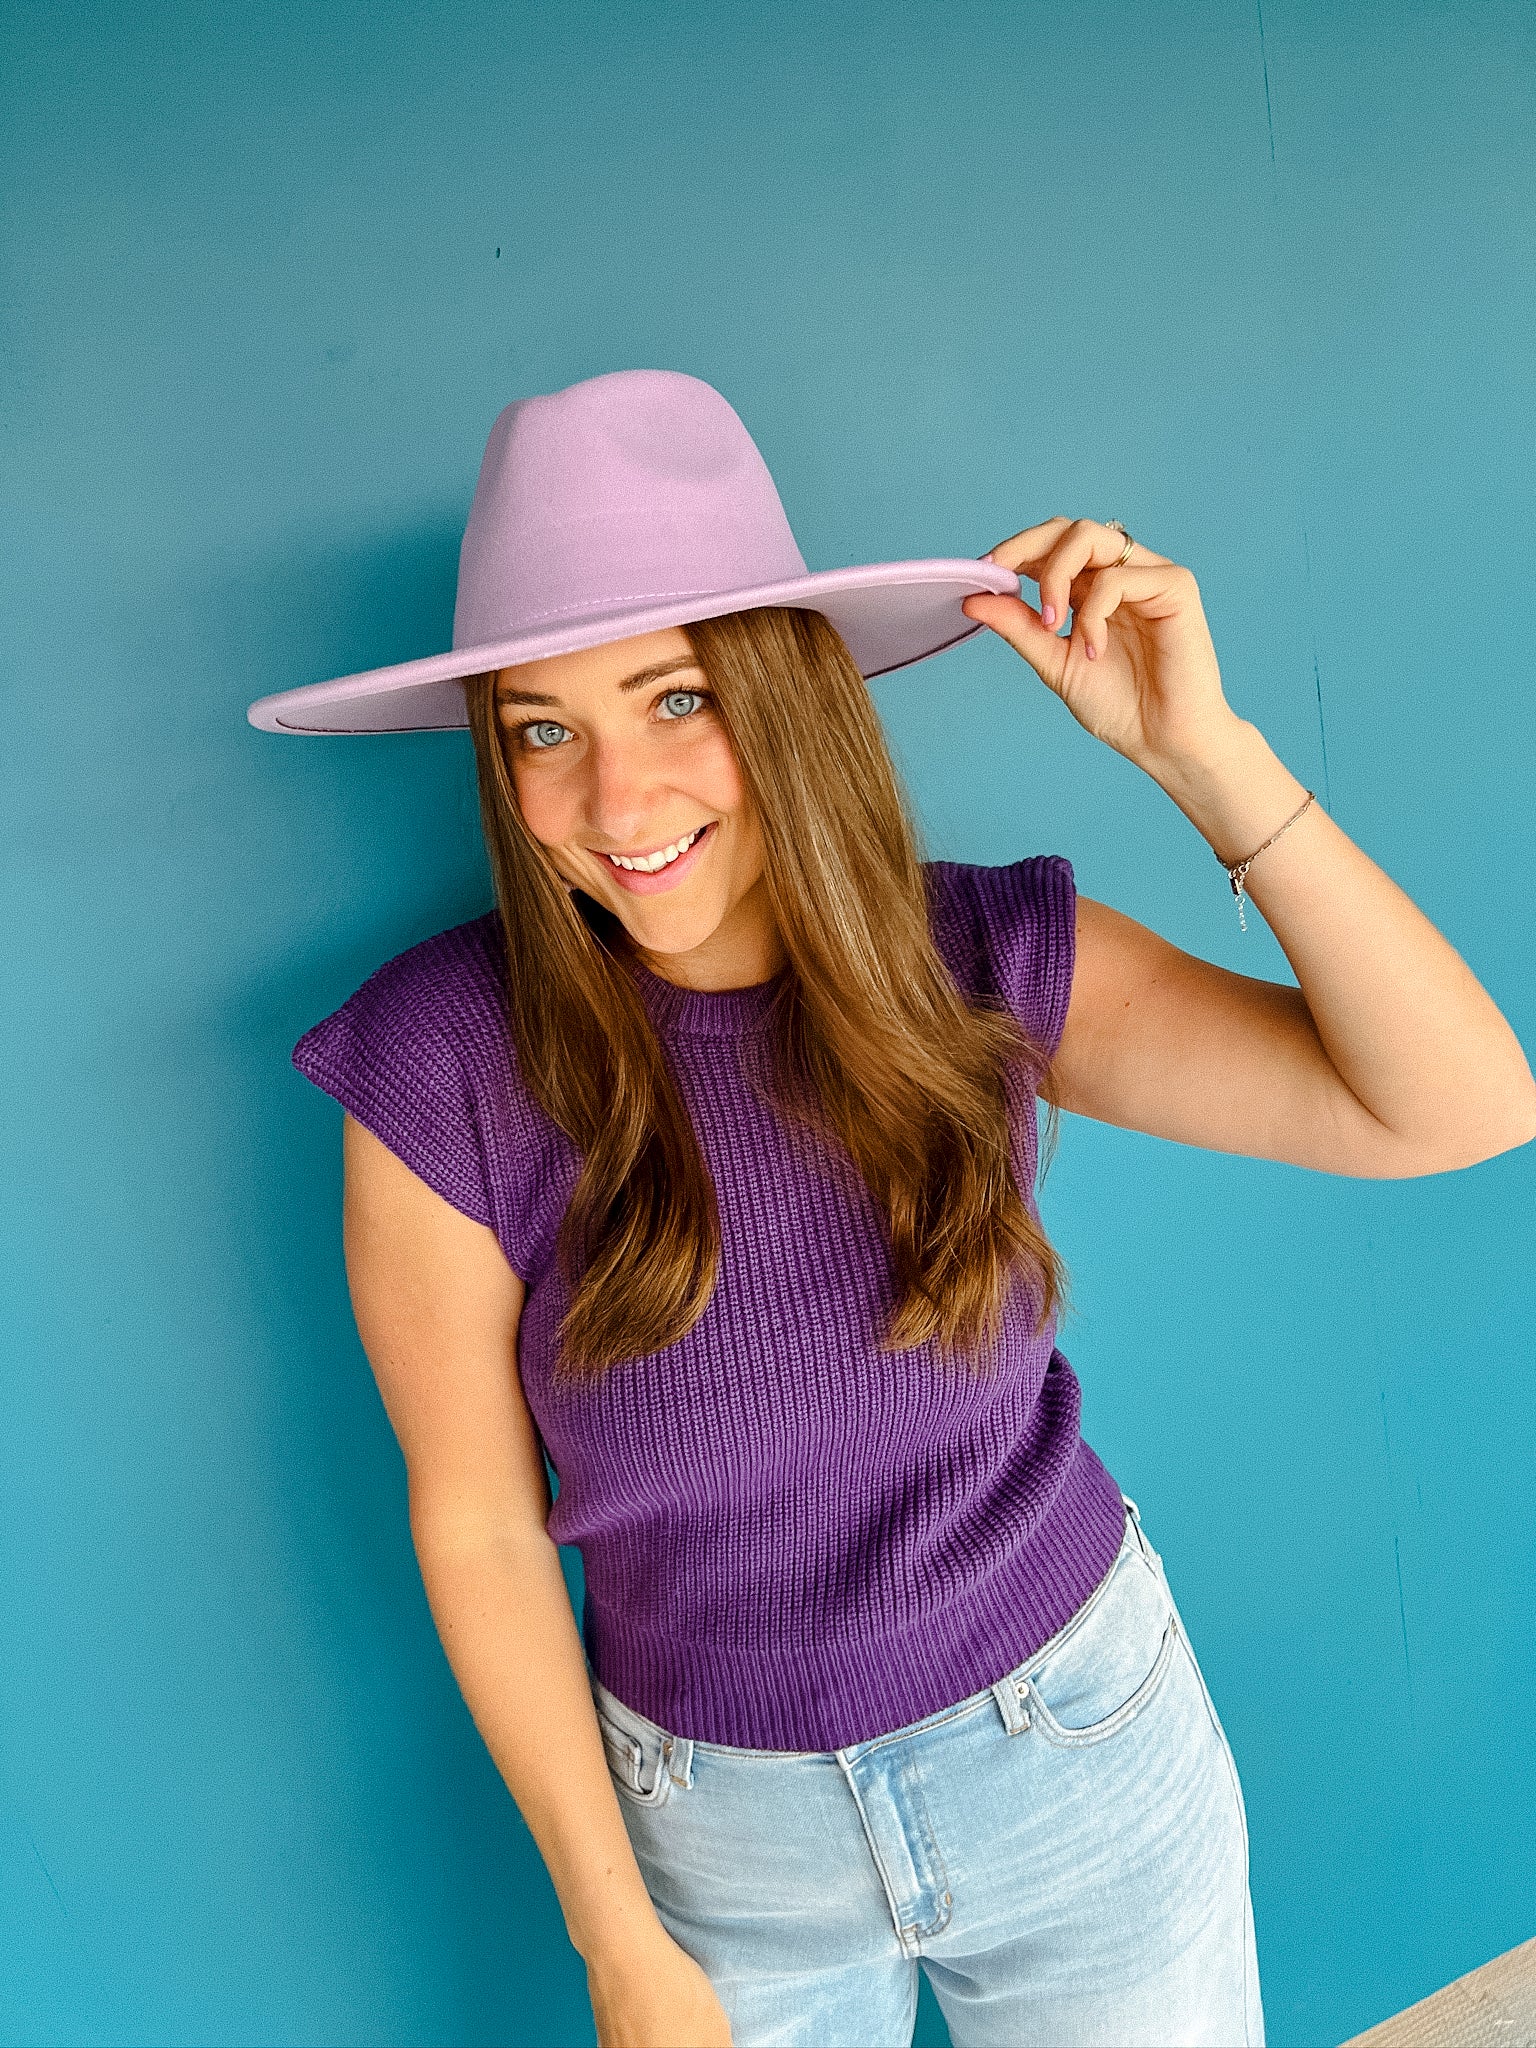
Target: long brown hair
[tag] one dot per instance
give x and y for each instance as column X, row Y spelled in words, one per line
column 876, row 1049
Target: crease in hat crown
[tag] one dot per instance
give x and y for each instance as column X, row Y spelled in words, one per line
column 622, row 504
column 628, row 489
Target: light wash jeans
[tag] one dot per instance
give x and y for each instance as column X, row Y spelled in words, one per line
column 1065, row 1854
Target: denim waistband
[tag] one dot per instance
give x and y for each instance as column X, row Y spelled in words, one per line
column 651, row 1753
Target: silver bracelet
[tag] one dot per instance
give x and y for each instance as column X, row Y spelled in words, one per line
column 1237, row 871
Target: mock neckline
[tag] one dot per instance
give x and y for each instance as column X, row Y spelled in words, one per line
column 707, row 1013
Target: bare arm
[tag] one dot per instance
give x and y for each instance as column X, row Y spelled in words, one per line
column 437, row 1309
column 1389, row 1060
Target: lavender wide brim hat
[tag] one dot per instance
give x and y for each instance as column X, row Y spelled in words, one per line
column 618, row 506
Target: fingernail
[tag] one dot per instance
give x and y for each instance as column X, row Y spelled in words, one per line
column 1047, row 615
column 1089, row 650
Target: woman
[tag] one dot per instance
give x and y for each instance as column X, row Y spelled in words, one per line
column 705, row 1164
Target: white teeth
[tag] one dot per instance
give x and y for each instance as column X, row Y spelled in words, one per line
column 648, row 864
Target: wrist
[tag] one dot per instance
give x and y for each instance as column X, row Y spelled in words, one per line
column 1235, row 790
column 1214, row 755
column 618, row 1953
column 621, row 1936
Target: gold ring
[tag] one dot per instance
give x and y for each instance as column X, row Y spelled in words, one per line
column 1115, row 527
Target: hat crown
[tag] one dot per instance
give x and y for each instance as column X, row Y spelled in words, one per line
column 627, row 489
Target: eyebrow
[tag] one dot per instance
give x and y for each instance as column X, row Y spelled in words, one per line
column 635, row 682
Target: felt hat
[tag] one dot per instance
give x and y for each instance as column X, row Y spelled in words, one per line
column 619, row 505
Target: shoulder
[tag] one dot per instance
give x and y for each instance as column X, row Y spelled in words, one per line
column 417, row 1052
column 453, row 971
column 1010, row 932
column 439, row 994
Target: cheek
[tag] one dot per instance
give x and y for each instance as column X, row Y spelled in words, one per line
column 716, row 779
column 727, row 792
column 546, row 809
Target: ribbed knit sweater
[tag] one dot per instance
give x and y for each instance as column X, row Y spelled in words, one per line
column 790, row 1540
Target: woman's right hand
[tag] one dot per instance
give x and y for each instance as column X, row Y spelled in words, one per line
column 656, row 1997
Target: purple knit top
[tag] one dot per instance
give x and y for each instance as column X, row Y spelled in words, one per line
column 790, row 1541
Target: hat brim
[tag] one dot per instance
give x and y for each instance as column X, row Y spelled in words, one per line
column 889, row 613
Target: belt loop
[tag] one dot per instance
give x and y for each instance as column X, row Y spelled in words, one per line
column 677, row 1754
column 1012, row 1696
column 1133, row 1521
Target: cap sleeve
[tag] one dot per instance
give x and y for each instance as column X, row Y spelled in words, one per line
column 388, row 1058
column 1028, row 918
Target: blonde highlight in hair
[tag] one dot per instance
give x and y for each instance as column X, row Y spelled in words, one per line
column 876, row 1050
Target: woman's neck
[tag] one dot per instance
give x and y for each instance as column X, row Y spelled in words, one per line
column 745, row 948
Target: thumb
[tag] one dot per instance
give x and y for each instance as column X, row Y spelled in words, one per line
column 1019, row 624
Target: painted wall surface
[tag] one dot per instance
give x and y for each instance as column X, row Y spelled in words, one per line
column 1260, row 286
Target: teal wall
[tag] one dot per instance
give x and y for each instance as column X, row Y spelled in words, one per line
column 1261, row 287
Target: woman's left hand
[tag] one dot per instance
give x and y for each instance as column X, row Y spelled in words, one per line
column 1138, row 669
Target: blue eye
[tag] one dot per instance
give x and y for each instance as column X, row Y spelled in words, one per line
column 541, row 734
column 544, row 732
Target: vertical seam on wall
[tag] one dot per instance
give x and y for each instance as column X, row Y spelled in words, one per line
column 1317, row 667
column 1306, row 539
column 1264, row 61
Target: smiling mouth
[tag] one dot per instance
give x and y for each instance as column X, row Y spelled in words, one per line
column 663, row 857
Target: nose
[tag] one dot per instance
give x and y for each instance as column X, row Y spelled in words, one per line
column 622, row 793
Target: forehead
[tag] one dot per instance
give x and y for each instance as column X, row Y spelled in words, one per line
column 616, row 665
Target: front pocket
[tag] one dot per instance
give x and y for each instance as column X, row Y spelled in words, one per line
column 623, row 1753
column 1078, row 1735
column 640, row 1770
column 1110, row 1659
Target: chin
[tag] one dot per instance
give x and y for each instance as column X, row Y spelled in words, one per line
column 671, row 931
